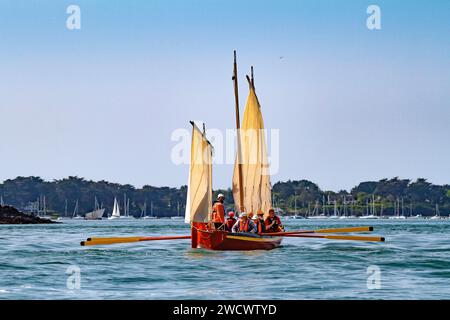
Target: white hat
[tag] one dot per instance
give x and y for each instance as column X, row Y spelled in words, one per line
column 243, row 214
column 255, row 217
column 220, row 195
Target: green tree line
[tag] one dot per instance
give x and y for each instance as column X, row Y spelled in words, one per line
column 389, row 196
column 419, row 196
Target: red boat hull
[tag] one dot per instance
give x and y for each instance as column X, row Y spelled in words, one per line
column 222, row 240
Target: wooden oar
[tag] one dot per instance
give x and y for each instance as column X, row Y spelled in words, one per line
column 335, row 230
column 115, row 240
column 336, row 237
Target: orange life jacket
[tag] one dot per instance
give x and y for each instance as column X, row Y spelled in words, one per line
column 243, row 227
column 218, row 214
column 259, row 225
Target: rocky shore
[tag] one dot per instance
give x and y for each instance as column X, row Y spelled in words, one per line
column 10, row 215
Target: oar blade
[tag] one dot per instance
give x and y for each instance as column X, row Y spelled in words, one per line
column 112, row 240
column 333, row 230
column 337, row 237
column 356, row 238
column 117, row 240
column 345, row 230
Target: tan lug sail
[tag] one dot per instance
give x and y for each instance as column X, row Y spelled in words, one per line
column 199, row 195
column 255, row 165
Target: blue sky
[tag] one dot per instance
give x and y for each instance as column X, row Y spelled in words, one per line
column 101, row 102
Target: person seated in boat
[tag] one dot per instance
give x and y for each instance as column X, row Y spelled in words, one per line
column 250, row 215
column 273, row 222
column 244, row 224
column 218, row 212
column 231, row 220
column 259, row 222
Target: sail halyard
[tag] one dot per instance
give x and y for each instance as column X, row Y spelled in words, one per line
column 199, row 194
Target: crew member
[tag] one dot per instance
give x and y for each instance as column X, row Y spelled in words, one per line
column 218, row 212
column 273, row 222
column 244, row 224
column 230, row 221
column 259, row 222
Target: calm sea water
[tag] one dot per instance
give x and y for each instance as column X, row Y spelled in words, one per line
column 414, row 263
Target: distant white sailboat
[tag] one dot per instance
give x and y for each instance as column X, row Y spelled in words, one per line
column 369, row 217
column 437, row 215
column 42, row 210
column 75, row 214
column 412, row 215
column 372, row 214
column 65, row 212
column 177, row 217
column 151, row 216
column 143, row 210
column 336, row 212
column 126, row 209
column 320, row 216
column 116, row 211
column 348, row 217
column 344, row 214
column 398, row 218
column 397, row 211
column 315, row 214
column 296, row 213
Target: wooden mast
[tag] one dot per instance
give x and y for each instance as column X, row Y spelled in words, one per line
column 252, row 78
column 238, row 127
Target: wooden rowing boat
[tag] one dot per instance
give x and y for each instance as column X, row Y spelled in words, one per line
column 202, row 237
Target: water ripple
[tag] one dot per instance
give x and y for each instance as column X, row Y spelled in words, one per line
column 414, row 263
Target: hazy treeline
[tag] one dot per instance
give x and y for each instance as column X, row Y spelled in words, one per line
column 386, row 195
column 302, row 196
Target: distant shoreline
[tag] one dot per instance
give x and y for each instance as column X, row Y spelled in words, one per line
column 388, row 197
